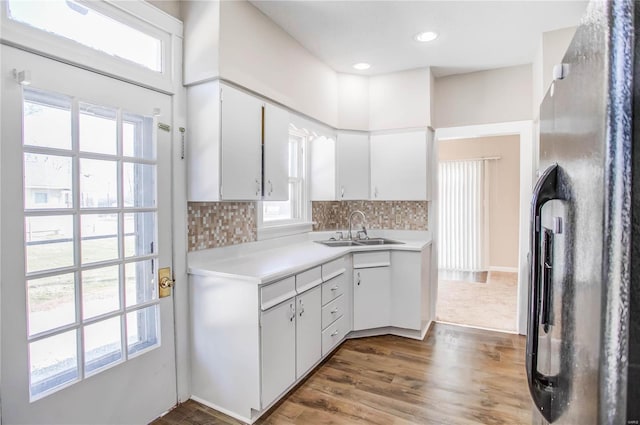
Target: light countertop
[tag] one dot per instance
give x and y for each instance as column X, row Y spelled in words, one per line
column 266, row 261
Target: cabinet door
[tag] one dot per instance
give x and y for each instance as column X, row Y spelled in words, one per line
column 276, row 153
column 399, row 166
column 308, row 330
column 278, row 339
column 353, row 166
column 371, row 298
column 323, row 169
column 241, row 139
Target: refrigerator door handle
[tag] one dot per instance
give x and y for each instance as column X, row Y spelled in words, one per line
column 541, row 386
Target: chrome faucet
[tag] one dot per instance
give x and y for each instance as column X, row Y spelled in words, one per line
column 364, row 219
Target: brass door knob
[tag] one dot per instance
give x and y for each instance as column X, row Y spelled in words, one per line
column 166, row 282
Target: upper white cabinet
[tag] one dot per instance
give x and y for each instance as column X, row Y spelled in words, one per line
column 353, row 165
column 229, row 133
column 276, row 153
column 241, row 139
column 401, row 166
column 323, row 169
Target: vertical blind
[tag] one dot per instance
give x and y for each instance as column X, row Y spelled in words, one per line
column 463, row 215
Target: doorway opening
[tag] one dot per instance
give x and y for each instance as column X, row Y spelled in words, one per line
column 479, row 223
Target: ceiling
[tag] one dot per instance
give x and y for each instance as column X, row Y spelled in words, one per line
column 473, row 35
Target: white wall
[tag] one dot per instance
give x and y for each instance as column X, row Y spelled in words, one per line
column 269, row 61
column 484, row 97
column 353, row 102
column 400, row 100
column 172, row 7
column 201, row 40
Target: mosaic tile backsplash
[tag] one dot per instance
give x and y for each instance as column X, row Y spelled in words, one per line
column 394, row 215
column 216, row 224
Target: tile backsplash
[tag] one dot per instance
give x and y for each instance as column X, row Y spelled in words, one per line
column 395, row 215
column 217, row 224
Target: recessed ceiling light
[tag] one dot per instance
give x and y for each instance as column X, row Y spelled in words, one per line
column 361, row 66
column 426, row 36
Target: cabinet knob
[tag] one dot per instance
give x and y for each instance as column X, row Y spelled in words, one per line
column 293, row 313
column 342, row 192
column 334, row 311
column 335, row 288
column 301, row 308
column 257, row 187
column 358, row 282
column 270, row 187
column 334, row 333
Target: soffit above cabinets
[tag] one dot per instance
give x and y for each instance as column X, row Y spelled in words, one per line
column 473, row 35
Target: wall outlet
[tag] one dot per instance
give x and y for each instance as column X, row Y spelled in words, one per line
column 398, row 218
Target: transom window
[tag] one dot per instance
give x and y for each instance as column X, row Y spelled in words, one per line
column 90, row 232
column 294, row 210
column 85, row 23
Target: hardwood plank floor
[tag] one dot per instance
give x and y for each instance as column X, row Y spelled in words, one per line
column 456, row 375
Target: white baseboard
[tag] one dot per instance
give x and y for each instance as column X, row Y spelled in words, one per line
column 503, row 269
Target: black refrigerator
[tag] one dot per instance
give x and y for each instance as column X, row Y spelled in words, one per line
column 583, row 335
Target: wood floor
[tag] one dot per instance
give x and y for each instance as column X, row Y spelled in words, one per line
column 491, row 305
column 456, row 375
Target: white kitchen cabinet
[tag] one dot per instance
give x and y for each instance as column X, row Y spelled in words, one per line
column 276, row 153
column 241, row 137
column 400, row 166
column 353, row 165
column 308, row 330
column 278, row 337
column 229, row 132
column 323, row 169
column 371, row 292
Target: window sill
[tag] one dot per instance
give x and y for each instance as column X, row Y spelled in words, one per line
column 280, row 230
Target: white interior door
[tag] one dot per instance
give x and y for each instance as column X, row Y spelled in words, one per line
column 86, row 210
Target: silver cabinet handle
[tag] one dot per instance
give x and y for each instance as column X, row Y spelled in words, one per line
column 342, row 192
column 335, row 288
column 301, row 308
column 334, row 333
column 334, row 311
column 358, row 282
column 293, row 312
column 257, row 187
column 270, row 187
column 375, row 192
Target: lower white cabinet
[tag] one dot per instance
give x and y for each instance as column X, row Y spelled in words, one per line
column 371, row 297
column 308, row 327
column 278, row 337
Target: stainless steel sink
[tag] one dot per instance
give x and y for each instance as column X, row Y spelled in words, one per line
column 360, row 242
column 377, row 241
column 335, row 243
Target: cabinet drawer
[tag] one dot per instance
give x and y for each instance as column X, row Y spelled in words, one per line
column 332, row 311
column 309, row 279
column 333, row 288
column 333, row 335
column 334, row 268
column 275, row 293
column 371, row 259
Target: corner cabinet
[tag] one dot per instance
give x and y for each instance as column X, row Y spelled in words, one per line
column 371, row 290
column 353, row 166
column 401, row 166
column 231, row 135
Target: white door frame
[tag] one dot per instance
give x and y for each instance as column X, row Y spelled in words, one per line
column 525, row 129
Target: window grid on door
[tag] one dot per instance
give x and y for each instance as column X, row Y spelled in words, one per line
column 91, row 253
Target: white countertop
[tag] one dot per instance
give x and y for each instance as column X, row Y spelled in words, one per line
column 266, row 261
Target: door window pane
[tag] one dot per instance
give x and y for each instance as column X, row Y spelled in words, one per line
column 102, row 344
column 88, row 27
column 137, row 136
column 142, row 329
column 52, row 302
column 54, row 362
column 140, row 283
column 47, row 181
column 98, row 184
column 100, row 291
column 139, row 234
column 47, row 119
column 99, row 237
column 98, row 129
column 49, row 241
column 139, row 181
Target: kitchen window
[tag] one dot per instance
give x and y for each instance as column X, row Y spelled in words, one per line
column 277, row 218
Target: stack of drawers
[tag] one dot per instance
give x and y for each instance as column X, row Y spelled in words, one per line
column 334, row 325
